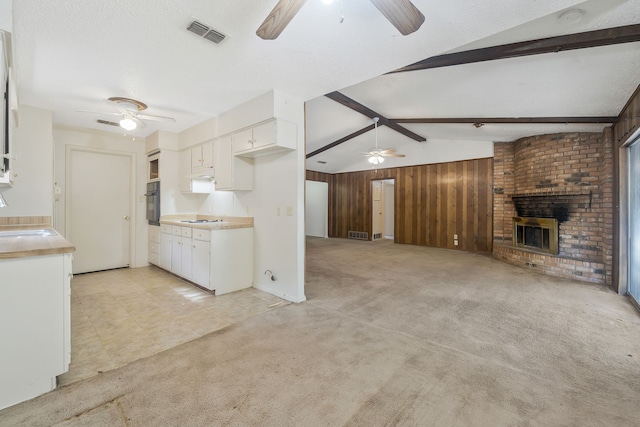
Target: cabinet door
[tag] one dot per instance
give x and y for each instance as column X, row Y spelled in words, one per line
column 176, row 255
column 186, row 263
column 264, row 134
column 196, row 157
column 223, row 158
column 165, row 250
column 200, row 266
column 207, row 154
column 242, row 140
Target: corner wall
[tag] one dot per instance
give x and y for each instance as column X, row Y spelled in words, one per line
column 32, row 192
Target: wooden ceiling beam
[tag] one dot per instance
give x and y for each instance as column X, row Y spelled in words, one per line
column 341, row 140
column 509, row 120
column 356, row 106
column 605, row 37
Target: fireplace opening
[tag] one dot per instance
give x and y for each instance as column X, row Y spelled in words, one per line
column 536, row 233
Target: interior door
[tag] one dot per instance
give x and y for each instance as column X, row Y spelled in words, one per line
column 634, row 222
column 377, row 209
column 98, row 209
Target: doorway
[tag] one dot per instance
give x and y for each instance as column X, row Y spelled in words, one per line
column 382, row 209
column 98, row 208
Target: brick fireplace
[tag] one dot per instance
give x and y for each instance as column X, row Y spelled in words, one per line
column 566, row 177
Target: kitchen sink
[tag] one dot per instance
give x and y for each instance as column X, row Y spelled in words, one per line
column 45, row 232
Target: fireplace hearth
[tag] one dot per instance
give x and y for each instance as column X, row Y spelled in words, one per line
column 539, row 234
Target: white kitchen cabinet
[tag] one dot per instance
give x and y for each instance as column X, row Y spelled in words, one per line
column 154, row 245
column 36, row 337
column 201, row 256
column 166, row 241
column 202, row 156
column 231, row 260
column 231, row 172
column 265, row 138
column 188, row 182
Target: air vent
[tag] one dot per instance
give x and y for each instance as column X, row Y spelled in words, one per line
column 358, row 235
column 204, row 31
column 322, row 162
column 106, row 122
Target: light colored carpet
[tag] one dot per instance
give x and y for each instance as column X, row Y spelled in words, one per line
column 391, row 335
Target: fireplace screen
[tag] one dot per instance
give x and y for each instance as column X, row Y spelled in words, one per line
column 536, row 233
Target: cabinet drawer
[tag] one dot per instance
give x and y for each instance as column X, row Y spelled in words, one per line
column 176, row 229
column 154, row 233
column 165, row 228
column 186, row 231
column 201, row 234
column 154, row 248
column 154, row 259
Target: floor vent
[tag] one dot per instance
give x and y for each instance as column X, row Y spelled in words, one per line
column 377, row 236
column 358, row 235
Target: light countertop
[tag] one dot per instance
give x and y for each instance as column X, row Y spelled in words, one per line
column 20, row 246
column 224, row 223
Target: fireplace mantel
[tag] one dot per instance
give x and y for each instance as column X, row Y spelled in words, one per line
column 547, row 193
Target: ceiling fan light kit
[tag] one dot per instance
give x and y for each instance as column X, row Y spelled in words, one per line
column 128, row 124
column 377, row 155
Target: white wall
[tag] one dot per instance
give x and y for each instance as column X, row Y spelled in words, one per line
column 316, row 209
column 278, row 183
column 31, row 194
column 113, row 142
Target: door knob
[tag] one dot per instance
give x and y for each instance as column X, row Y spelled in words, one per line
column 126, row 217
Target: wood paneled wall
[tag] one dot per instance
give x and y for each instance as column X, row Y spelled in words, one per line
column 432, row 203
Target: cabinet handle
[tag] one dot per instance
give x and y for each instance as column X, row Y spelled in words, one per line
column 126, row 217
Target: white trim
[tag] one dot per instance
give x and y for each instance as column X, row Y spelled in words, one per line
column 279, row 294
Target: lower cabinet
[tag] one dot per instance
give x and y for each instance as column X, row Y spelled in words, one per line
column 220, row 260
column 154, row 245
column 35, row 314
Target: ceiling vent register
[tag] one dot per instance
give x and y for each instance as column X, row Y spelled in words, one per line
column 206, row 32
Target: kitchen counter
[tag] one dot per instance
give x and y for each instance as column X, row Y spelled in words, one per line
column 22, row 241
column 222, row 223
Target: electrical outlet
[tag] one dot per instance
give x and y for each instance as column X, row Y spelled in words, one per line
column 289, row 211
column 455, row 237
column 455, row 242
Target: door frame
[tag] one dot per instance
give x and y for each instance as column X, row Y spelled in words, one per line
column 383, row 197
column 69, row 149
column 623, row 232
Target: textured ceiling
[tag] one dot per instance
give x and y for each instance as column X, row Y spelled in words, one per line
column 71, row 55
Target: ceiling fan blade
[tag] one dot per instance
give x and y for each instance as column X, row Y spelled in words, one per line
column 401, row 13
column 387, row 150
column 155, row 118
column 279, row 18
column 139, row 122
column 392, row 155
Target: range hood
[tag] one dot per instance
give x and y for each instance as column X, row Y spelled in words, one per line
column 204, row 173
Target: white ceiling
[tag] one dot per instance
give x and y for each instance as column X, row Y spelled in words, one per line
column 71, row 55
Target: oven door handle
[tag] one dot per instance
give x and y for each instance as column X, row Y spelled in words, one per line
column 151, row 194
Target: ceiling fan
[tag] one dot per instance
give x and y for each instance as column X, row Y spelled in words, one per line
column 377, row 155
column 129, row 109
column 401, row 13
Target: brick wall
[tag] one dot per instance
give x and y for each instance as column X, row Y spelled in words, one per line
column 567, row 176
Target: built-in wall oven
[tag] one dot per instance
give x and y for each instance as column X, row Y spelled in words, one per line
column 153, row 202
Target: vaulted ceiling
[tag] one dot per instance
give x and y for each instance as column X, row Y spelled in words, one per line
column 70, row 56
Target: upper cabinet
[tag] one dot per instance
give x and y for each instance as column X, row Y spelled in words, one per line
column 232, row 173
column 269, row 137
column 202, row 156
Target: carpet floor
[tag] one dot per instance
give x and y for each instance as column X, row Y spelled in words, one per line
column 390, row 335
